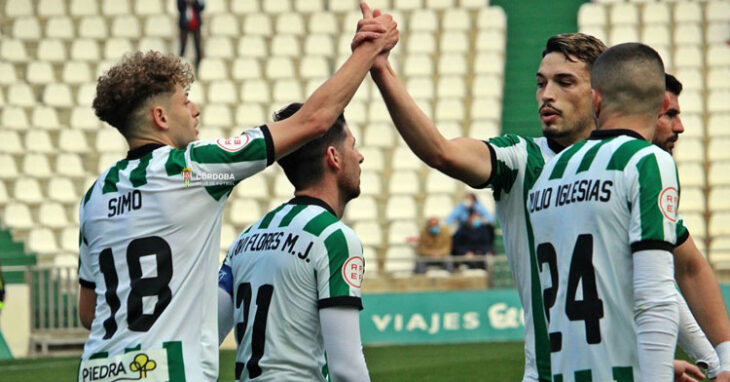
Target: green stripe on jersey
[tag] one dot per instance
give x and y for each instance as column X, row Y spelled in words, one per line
column 253, row 151
column 295, row 210
column 175, row 162
column 218, row 191
column 503, row 176
column 89, row 192
column 623, row 154
column 138, row 176
column 319, row 223
column 533, row 168
column 175, row 360
column 269, row 217
column 559, row 168
column 112, row 177
column 583, row 376
column 507, row 140
column 681, row 228
column 337, row 252
column 585, row 164
column 623, row 374
column 650, row 186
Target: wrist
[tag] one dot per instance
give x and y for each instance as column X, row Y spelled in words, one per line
column 723, row 353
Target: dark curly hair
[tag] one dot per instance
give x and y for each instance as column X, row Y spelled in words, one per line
column 137, row 78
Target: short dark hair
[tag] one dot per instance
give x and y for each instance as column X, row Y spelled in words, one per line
column 585, row 47
column 672, row 84
column 630, row 78
column 305, row 166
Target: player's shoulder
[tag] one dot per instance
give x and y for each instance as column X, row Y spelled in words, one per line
column 508, row 140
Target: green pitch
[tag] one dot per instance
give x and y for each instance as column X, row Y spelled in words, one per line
column 497, row 361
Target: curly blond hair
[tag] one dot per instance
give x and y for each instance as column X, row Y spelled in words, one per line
column 137, row 78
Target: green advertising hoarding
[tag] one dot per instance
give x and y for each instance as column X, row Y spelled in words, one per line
column 442, row 317
column 447, row 317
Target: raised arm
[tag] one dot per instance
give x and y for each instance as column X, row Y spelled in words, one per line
column 341, row 335
column 323, row 107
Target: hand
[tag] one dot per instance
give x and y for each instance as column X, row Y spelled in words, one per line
column 722, row 377
column 378, row 27
column 685, row 371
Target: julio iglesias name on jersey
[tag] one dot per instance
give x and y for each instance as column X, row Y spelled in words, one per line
column 586, row 190
column 272, row 241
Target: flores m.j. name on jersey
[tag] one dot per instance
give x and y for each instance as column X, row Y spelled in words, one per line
column 150, row 242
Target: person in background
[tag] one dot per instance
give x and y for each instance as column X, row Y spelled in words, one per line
column 434, row 243
column 474, row 238
column 464, row 209
column 191, row 21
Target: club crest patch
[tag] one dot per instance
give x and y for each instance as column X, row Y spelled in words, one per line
column 669, row 202
column 233, row 144
column 353, row 270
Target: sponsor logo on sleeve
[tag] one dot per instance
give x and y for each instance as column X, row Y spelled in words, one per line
column 233, row 144
column 669, row 202
column 353, row 270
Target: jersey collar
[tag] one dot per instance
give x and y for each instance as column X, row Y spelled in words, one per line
column 603, row 134
column 555, row 146
column 141, row 151
column 303, row 199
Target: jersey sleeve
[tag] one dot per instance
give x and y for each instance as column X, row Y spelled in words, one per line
column 682, row 231
column 507, row 154
column 88, row 268
column 340, row 271
column 654, row 198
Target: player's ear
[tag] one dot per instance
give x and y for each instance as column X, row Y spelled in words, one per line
column 332, row 158
column 597, row 100
column 665, row 104
column 159, row 118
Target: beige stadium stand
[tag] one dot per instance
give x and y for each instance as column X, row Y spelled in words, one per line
column 454, row 42
column 456, row 20
column 69, row 165
column 16, row 8
column 716, row 32
column 60, row 27
column 449, row 129
column 404, row 159
column 255, row 91
column 717, row 78
column 324, row 23
column 93, row 27
column 401, row 207
column 694, row 125
column 290, row 24
column 313, row 68
column 408, row 5
column 370, row 183
column 309, row 6
column 85, row 94
column 212, row 69
column 216, row 115
column 7, row 74
column 487, row 86
column 440, row 4
column 623, row 33
column 656, row 13
column 718, row 55
column 489, row 63
column 107, row 160
column 110, row 140
column 245, row 68
column 591, row 14
column 17, row 216
column 420, row 87
column 687, row 12
column 370, row 256
column 490, row 41
column 52, row 215
column 379, row 135
column 418, row 65
column 369, row 233
column 595, row 31
column 378, row 112
column 282, row 186
column 69, row 239
column 692, row 78
column 228, row 235
column 718, row 148
column 279, row 68
column 421, row 43
column 253, row 188
column 45, row 117
column 42, row 241
column 319, row 45
column 258, row 24
column 14, row 117
column 77, row 72
column 451, row 87
column 423, row 20
column 656, row 35
column 362, row 208
column 438, row 183
column 452, row 64
column 244, row 212
column 688, row 34
column 404, row 182
column 148, row 7
column 209, row 133
column 486, row 108
column 28, row 191
column 689, row 150
column 243, row 7
column 720, row 223
column 85, row 50
column 13, row 50
column 693, row 200
column 10, row 168
column 719, row 174
column 73, row 141
column 279, row 6
column 692, row 102
column 691, row 174
column 285, row 45
column 84, row 8
column 399, row 261
column 250, row 114
column 84, row 118
column 38, row 141
column 439, row 205
column 153, row 43
column 401, row 231
column 223, row 92
column 624, row 14
column 4, row 198
column 252, row 46
column 161, row 26
column 718, row 199
column 11, row 142
column 492, row 18
column 126, row 26
column 717, row 10
column 380, row 4
column 51, row 50
column 26, row 29
column 114, row 7
column 40, row 73
column 450, row 109
column 61, row 190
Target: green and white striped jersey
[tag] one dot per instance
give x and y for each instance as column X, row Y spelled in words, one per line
column 297, row 259
column 150, row 243
column 593, row 205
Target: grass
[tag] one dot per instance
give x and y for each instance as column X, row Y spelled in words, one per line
column 496, row 361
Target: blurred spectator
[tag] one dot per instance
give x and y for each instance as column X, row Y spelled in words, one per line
column 475, row 237
column 434, row 243
column 191, row 21
column 464, row 209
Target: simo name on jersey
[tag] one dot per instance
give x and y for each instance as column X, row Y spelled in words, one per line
column 272, row 241
column 586, row 190
column 125, row 203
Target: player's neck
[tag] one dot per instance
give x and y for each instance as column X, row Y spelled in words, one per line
column 643, row 125
column 139, row 141
column 329, row 195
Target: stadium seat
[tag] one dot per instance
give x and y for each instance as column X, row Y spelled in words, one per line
column 45, row 117
column 69, row 165
column 38, row 141
column 689, row 150
column 13, row 50
column 404, row 159
column 362, row 208
column 60, row 28
column 717, row 78
column 252, row 46
column 4, row 198
column 692, row 78
column 718, row 55
column 228, row 235
column 687, row 34
column 216, row 115
column 85, row 94
column 73, row 141
column 691, row 174
column 379, row 135
column 84, row 8
column 257, row 24
column 407, row 5
column 11, row 143
column 420, row 87
column 370, row 183
column 324, row 22
column 438, row 183
column 491, row 18
column 52, row 51
column 719, row 125
column 19, row 8
column 211, row 133
column 718, row 200
column 84, row 118
column 7, row 74
column 309, row 6
column 313, row 67
column 687, row 12
column 289, row 24
column 280, row 6
column 400, row 207
column 10, row 169
column 720, row 223
column 212, row 69
column 85, row 50
column 252, row 188
column 369, row 233
column 693, row 125
column 450, row 109
column 656, row 35
column 222, row 92
column 402, row 231
column 245, row 68
column 473, row 4
column 452, row 87
column 456, row 20
column 282, row 187
column 418, row 65
column 454, row 42
column 591, row 14
column 717, row 101
column 624, row 14
column 93, row 27
column 126, row 26
column 244, row 212
column 656, row 13
column 26, row 29
column 153, row 43
column 249, row 114
column 487, row 86
column 17, row 216
column 14, row 117
column 490, row 41
column 692, row 102
column 106, row 161
column 483, row 129
column 52, row 215
column 719, row 174
column 245, row 7
column 161, row 26
column 452, row 64
column 42, row 241
column 421, row 43
column 423, row 20
column 378, row 112
column 717, row 11
column 489, row 63
column 439, row 205
column 486, row 108
column 693, row 200
column 319, row 45
column 287, row 91
column 285, row 45
column 61, row 190
column 598, row 32
column 40, row 73
column 399, row 261
column 148, row 7
column 623, row 33
column 28, row 191
column 255, row 91
column 114, row 7
column 77, row 72
column 404, row 182
column 373, row 159
column 440, row 4
column 279, row 68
